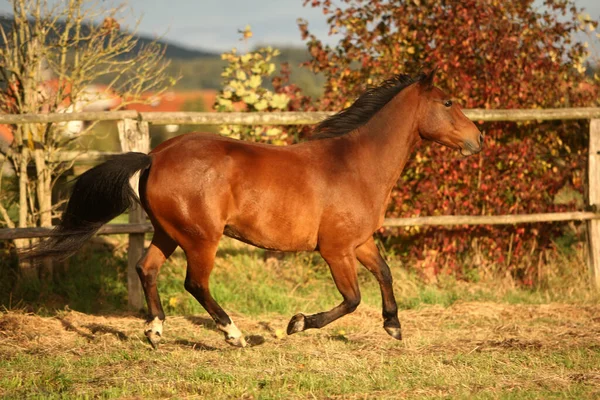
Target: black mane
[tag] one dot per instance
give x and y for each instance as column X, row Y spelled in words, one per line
column 363, row 109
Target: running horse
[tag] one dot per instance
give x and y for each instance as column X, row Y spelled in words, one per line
column 327, row 195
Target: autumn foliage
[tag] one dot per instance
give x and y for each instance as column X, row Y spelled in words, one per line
column 490, row 54
column 243, row 89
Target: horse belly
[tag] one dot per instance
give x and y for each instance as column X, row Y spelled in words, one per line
column 276, row 200
column 274, row 234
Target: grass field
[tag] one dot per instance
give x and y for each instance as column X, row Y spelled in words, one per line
column 461, row 340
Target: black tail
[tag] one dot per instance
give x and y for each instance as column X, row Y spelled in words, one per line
column 99, row 195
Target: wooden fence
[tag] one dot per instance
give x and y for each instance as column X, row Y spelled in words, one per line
column 134, row 136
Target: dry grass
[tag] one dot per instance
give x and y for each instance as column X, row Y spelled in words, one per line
column 468, row 350
column 487, row 338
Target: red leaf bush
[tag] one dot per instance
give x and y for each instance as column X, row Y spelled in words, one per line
column 490, row 54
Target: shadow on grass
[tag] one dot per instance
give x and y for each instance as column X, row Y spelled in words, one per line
column 204, row 322
column 339, row 338
column 251, row 340
column 72, row 328
column 95, row 328
column 255, row 340
column 194, row 345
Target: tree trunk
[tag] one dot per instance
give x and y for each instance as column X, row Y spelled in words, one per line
column 44, row 197
column 26, row 267
column 44, row 192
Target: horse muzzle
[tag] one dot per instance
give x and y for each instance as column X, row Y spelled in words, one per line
column 471, row 147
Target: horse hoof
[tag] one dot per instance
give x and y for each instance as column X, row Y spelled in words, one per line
column 296, row 324
column 153, row 339
column 236, row 341
column 233, row 335
column 396, row 333
column 153, row 332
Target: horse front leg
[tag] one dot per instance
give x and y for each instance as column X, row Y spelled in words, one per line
column 369, row 256
column 343, row 270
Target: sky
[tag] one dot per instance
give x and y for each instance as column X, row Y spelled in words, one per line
column 213, row 24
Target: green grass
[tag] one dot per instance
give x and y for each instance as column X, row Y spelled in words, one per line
column 472, row 358
column 487, row 340
column 94, row 281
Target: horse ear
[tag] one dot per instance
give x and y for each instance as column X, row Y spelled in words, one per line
column 427, row 80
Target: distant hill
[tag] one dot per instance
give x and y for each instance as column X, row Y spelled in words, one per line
column 173, row 50
column 201, row 69
column 178, row 51
column 205, row 73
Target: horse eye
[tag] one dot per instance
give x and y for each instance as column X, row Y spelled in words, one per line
column 448, row 103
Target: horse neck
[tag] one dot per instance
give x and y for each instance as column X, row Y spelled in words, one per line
column 388, row 139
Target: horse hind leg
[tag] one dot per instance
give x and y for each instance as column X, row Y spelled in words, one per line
column 369, row 256
column 160, row 249
column 201, row 258
column 343, row 270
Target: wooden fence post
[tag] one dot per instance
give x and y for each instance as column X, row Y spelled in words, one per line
column 594, row 201
column 134, row 136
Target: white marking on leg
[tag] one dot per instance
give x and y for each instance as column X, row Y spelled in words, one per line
column 296, row 324
column 231, row 330
column 232, row 334
column 154, row 327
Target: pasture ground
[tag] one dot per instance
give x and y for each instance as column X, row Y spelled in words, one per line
column 467, row 350
column 484, row 339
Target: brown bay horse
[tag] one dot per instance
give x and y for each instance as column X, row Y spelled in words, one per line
column 327, row 195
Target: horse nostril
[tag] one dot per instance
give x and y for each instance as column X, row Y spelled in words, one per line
column 480, row 139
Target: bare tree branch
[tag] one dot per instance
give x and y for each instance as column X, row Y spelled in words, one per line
column 61, row 39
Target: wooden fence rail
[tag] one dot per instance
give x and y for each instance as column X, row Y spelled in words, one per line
column 281, row 118
column 87, row 157
column 442, row 220
column 137, row 138
column 109, row 229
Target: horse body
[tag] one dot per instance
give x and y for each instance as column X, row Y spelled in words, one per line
column 328, row 195
column 233, row 191
column 294, row 198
